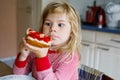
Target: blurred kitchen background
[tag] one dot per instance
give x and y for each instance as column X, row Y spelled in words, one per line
column 100, row 30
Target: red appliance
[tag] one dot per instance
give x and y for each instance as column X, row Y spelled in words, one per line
column 93, row 15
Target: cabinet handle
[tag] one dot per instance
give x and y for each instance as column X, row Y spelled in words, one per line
column 106, row 49
column 117, row 41
column 85, row 44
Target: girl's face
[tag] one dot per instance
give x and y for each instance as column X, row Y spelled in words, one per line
column 58, row 27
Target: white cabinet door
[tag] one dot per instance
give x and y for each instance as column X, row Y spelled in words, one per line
column 87, row 54
column 107, row 60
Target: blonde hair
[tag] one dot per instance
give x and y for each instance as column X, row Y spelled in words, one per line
column 74, row 43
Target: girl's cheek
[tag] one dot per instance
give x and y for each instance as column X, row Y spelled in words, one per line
column 47, row 32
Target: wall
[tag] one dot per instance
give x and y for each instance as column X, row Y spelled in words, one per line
column 81, row 5
column 24, row 18
column 8, row 31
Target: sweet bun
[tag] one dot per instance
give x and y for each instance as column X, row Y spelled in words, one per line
column 37, row 39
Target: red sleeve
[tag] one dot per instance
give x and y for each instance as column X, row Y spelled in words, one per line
column 19, row 63
column 42, row 63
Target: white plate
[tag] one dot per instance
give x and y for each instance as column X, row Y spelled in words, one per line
column 17, row 77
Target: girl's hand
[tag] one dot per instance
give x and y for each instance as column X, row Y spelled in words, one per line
column 39, row 52
column 24, row 52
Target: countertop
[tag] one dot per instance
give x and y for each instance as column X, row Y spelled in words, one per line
column 104, row 29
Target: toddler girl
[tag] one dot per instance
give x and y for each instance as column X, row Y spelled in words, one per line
column 60, row 61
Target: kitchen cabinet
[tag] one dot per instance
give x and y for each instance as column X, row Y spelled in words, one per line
column 87, row 54
column 101, row 51
column 87, row 51
column 107, row 60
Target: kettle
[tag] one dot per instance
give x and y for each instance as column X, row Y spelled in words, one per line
column 93, row 15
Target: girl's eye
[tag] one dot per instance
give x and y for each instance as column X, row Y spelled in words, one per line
column 47, row 24
column 61, row 25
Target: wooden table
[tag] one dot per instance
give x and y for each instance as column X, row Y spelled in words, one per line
column 5, row 69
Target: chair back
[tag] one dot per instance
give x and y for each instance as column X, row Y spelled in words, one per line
column 87, row 73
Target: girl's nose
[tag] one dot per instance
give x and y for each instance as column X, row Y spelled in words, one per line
column 53, row 28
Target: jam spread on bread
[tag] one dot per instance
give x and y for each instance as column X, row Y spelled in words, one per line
column 37, row 39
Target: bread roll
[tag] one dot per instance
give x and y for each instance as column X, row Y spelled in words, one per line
column 37, row 39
